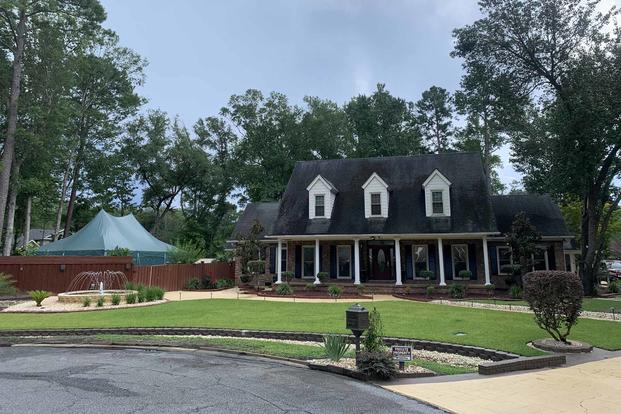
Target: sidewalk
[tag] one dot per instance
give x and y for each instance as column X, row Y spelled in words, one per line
column 591, row 387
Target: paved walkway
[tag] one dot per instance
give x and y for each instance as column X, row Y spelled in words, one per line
column 591, row 387
column 235, row 294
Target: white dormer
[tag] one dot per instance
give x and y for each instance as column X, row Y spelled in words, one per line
column 375, row 197
column 437, row 195
column 321, row 195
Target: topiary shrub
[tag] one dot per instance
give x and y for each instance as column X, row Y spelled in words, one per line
column 556, row 299
column 287, row 276
column 377, row 365
column 457, row 291
column 284, row 289
column 427, row 274
column 193, row 284
column 373, row 341
column 335, row 347
column 335, row 291
column 465, row 274
column 515, row 292
column 323, row 277
column 38, row 296
column 490, row 289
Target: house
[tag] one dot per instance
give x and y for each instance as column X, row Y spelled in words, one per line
column 39, row 237
column 399, row 220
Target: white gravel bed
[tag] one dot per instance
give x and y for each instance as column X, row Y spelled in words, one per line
column 52, row 304
column 284, row 341
column 350, row 363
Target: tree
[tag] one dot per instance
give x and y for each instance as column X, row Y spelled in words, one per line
column 523, row 238
column 382, row 125
column 248, row 246
column 559, row 55
column 434, row 115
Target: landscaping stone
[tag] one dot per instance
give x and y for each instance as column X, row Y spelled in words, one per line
column 521, row 364
column 552, row 345
column 52, row 305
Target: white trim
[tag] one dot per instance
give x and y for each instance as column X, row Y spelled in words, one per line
column 305, row 247
column 498, row 258
column 317, row 263
column 315, row 205
column 455, row 274
column 338, row 267
column 324, row 181
column 356, row 262
column 486, row 269
column 545, row 258
column 414, row 246
column 377, row 236
column 437, row 173
column 441, row 262
column 371, row 204
column 374, row 175
column 279, row 262
column 398, row 275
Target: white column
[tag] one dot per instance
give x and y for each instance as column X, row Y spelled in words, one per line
column 441, row 262
column 398, row 262
column 279, row 263
column 486, row 262
column 317, row 269
column 356, row 262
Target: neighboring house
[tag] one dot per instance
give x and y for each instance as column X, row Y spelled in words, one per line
column 39, row 237
column 390, row 219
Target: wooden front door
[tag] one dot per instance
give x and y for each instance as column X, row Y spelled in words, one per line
column 381, row 262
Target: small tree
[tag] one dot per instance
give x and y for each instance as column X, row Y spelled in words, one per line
column 373, row 341
column 522, row 238
column 248, row 246
column 556, row 299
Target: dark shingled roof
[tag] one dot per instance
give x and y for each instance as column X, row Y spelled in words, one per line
column 471, row 210
column 541, row 210
column 265, row 213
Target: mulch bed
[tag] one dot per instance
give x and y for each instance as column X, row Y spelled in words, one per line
column 555, row 346
column 311, row 295
column 424, row 298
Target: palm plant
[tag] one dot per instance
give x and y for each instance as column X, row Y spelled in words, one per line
column 39, row 295
column 335, row 347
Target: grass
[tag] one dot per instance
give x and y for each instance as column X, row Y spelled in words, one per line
column 440, row 368
column 505, row 331
column 588, row 304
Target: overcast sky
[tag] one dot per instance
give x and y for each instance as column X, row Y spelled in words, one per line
column 202, row 52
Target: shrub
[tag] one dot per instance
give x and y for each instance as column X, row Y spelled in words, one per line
column 159, row 292
column 515, row 292
column 614, row 286
column 7, row 283
column 193, row 284
column 100, row 301
column 245, row 278
column 335, row 347
column 39, row 295
column 119, row 251
column 130, row 298
column 284, row 289
column 361, row 288
column 429, row 290
column 187, row 252
column 86, row 302
column 151, row 293
column 323, row 277
column 377, row 365
column 465, row 274
column 130, row 286
column 373, row 341
column 140, row 297
column 310, row 286
column 427, row 274
column 335, row 291
column 206, row 283
column 556, row 299
column 457, row 291
column 256, row 266
column 115, row 299
column 224, row 283
column 287, row 276
column 407, row 290
column 490, row 289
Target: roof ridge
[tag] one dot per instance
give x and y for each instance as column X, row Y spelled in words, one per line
column 389, row 157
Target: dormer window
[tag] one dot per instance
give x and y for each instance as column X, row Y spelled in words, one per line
column 376, row 204
column 375, row 197
column 320, row 208
column 436, row 202
column 437, row 195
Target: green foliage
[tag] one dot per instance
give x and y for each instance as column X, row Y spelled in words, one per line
column 224, row 283
column 323, row 277
column 86, row 301
column 28, row 250
column 100, row 301
column 193, row 283
column 335, row 291
column 187, row 252
column 284, row 289
column 335, row 347
column 7, row 283
column 38, row 296
column 373, row 341
column 434, row 115
column 515, row 291
column 141, row 296
column 427, row 274
column 377, row 365
column 523, row 238
column 115, row 299
column 457, row 290
column 310, row 286
column 287, row 276
column 614, row 286
column 131, row 298
column 465, row 274
column 120, row 251
column 429, row 290
column 490, row 289
column 361, row 289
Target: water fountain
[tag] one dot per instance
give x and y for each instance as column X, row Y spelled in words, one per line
column 95, row 284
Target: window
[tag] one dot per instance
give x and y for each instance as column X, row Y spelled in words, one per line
column 344, row 262
column 437, row 205
column 320, row 210
column 308, row 261
column 283, row 259
column 540, row 259
column 376, row 204
column 505, row 260
column 459, row 252
column 420, row 255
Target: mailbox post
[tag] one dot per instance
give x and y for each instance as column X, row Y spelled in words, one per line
column 357, row 320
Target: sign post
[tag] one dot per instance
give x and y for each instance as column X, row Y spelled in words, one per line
column 401, row 354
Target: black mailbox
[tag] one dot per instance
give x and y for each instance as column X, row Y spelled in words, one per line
column 357, row 318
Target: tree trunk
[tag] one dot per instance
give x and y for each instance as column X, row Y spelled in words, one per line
column 587, row 246
column 10, row 220
column 27, row 221
column 9, row 142
column 61, row 202
column 72, row 197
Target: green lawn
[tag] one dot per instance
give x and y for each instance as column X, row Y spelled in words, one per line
column 588, row 304
column 491, row 329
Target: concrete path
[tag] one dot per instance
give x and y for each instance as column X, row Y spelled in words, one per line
column 591, row 387
column 81, row 380
column 234, row 293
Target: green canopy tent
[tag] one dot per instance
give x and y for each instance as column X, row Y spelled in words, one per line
column 105, row 233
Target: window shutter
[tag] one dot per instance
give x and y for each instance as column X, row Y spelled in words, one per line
column 551, row 258
column 472, row 259
column 272, row 259
column 333, row 261
column 353, row 262
column 448, row 263
column 320, row 257
column 493, row 258
column 298, row 261
column 431, row 248
column 409, row 263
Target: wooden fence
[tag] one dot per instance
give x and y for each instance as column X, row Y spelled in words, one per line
column 175, row 276
column 54, row 273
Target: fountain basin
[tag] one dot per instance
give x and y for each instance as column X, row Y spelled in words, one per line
column 77, row 296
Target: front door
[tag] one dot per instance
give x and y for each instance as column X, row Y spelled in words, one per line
column 381, row 262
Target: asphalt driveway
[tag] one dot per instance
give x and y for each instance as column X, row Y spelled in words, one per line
column 84, row 380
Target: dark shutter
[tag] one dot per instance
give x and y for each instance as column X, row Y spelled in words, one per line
column 493, row 258
column 551, row 258
column 298, row 261
column 320, row 257
column 332, row 261
column 409, row 263
column 353, row 261
column 272, row 259
column 432, row 259
column 472, row 259
column 448, row 263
